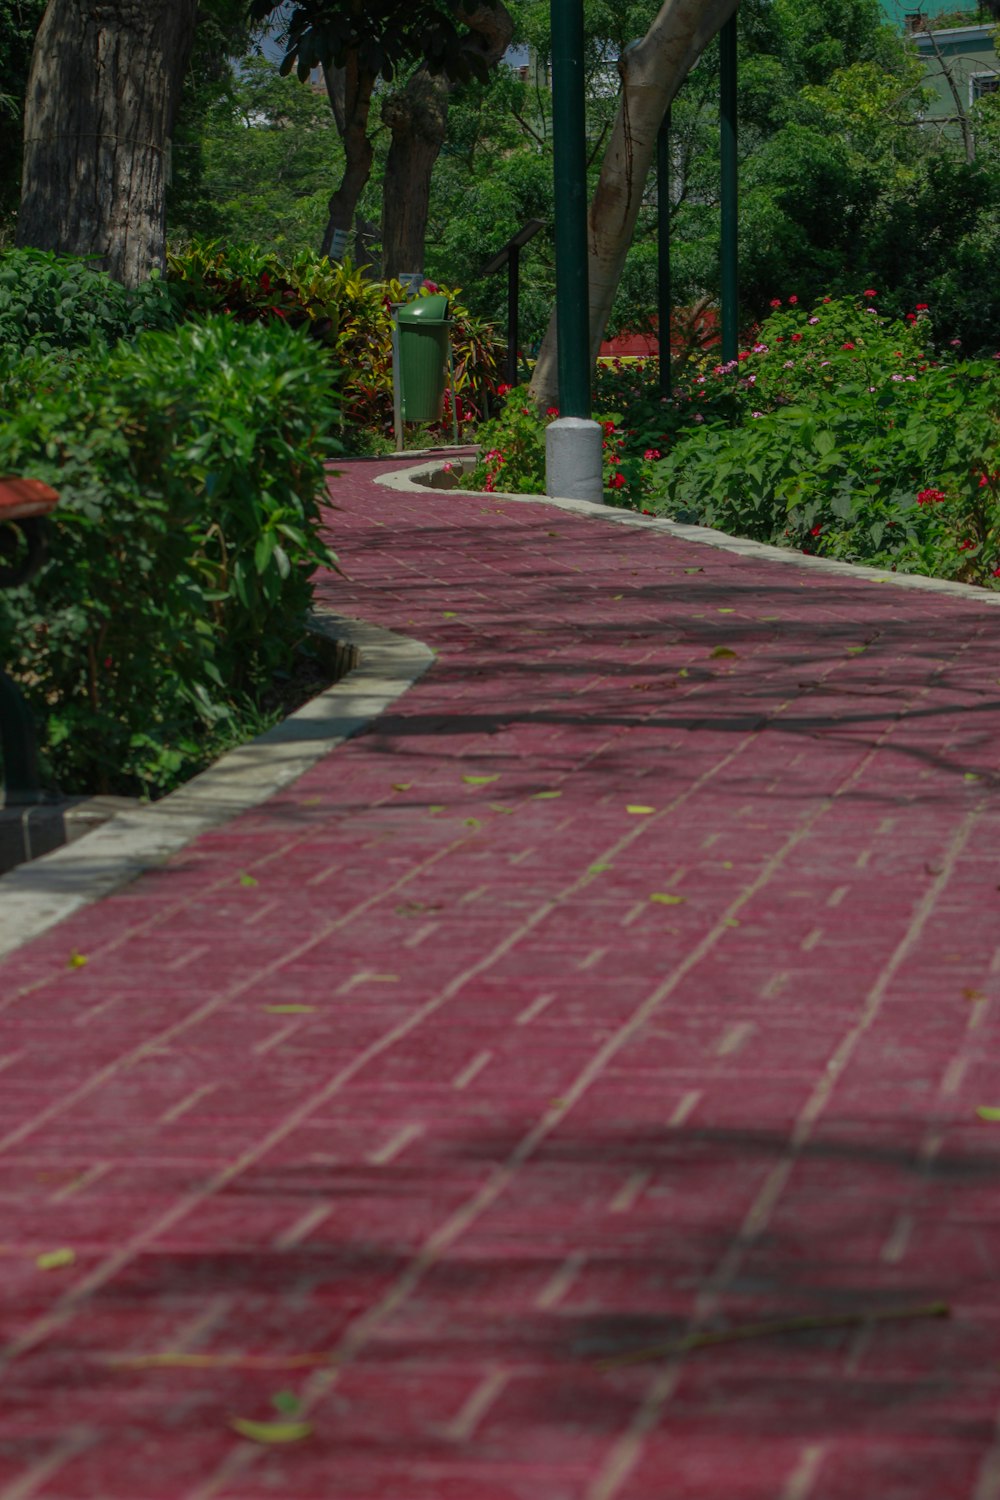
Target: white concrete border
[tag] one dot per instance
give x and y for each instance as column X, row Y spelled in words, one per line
column 415, row 480
column 35, row 896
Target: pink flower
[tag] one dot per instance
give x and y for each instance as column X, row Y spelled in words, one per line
column 652, row 453
column 813, row 322
column 793, row 301
column 775, row 301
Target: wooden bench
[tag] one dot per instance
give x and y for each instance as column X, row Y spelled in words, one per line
column 24, row 505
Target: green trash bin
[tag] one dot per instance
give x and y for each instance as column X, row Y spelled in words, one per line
column 424, row 331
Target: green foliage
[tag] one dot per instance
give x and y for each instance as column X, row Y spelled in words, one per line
column 190, row 468
column 18, row 23
column 347, row 312
column 50, row 302
column 842, row 433
column 382, row 35
column 254, row 158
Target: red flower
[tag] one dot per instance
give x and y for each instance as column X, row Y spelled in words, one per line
column 616, row 481
column 816, row 531
column 869, row 293
column 775, row 301
column 848, row 345
column 931, row 497
column 793, row 301
column 922, row 307
column 552, row 411
column 966, row 545
column 796, row 338
column 652, row 453
column 503, row 390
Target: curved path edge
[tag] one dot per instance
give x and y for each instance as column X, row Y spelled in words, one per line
column 417, row 479
column 35, row 896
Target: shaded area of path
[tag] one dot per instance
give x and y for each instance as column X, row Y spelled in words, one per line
column 637, row 975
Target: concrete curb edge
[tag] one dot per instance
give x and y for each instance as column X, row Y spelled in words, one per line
column 35, row 896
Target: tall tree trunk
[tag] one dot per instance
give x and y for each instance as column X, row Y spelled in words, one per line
column 652, row 71
column 349, row 90
column 417, row 117
column 103, row 90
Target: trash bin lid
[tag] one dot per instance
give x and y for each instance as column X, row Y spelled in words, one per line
column 433, row 309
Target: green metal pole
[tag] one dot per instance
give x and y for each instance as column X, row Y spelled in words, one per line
column 663, row 252
column 569, row 139
column 730, row 262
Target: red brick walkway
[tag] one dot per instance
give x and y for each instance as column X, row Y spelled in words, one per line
column 637, row 976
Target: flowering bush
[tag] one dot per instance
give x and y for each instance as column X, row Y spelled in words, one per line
column 513, row 452
column 846, row 434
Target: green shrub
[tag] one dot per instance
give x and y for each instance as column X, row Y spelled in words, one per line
column 55, row 302
column 347, row 312
column 190, row 466
column 841, row 432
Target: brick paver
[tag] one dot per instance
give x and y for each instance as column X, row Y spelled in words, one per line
column 448, row 1106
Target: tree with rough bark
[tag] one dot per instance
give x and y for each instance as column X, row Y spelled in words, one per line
column 652, row 70
column 103, row 90
column 417, row 117
column 360, row 43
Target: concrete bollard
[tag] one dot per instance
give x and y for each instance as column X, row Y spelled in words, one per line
column 573, row 467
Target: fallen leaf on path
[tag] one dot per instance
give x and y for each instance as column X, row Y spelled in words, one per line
column 666, row 899
column 807, row 1324
column 989, row 1112
column 724, row 651
column 246, row 879
column 731, row 922
column 448, row 614
column 727, row 864
column 401, row 786
column 288, row 1010
column 599, row 869
column 725, row 611
column 54, row 1260
column 436, row 807
column 286, row 1402
column 480, row 780
column 638, row 810
column 856, row 650
column 544, row 796
column 970, row 994
column 616, row 597
column 683, row 672
column 499, row 807
column 76, row 960
column 971, row 776
column 271, row 1432
column 694, row 570
column 472, row 823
